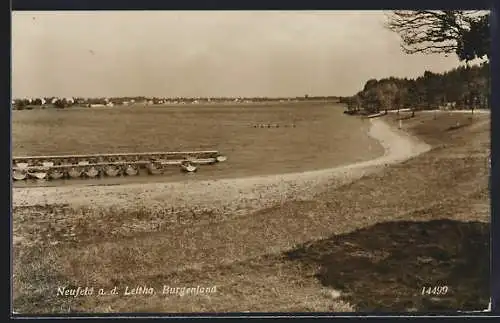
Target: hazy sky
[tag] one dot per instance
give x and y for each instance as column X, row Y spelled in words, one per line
column 200, row 53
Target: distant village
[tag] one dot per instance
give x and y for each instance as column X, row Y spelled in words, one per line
column 62, row 103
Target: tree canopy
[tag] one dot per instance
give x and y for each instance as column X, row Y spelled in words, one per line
column 465, row 33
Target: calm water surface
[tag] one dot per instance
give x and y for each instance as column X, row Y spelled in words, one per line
column 323, row 136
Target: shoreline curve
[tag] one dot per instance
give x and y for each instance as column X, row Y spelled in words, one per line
column 232, row 195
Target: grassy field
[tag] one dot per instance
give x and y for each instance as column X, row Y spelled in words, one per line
column 368, row 245
column 320, row 138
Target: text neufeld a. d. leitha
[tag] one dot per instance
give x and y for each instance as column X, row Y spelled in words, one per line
column 136, row 290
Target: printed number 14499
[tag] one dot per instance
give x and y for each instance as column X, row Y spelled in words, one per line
column 435, row 290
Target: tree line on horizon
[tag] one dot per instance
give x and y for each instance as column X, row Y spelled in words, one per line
column 464, row 87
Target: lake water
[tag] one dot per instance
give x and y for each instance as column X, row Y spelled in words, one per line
column 310, row 136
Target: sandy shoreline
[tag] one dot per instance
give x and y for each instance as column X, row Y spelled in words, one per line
column 227, row 195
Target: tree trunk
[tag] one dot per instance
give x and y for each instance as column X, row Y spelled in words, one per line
column 472, row 104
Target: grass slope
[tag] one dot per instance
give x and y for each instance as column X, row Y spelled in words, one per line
column 369, row 245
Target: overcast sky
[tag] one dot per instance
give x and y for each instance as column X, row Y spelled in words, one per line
column 200, row 53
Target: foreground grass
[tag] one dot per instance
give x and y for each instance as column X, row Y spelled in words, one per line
column 377, row 241
column 384, row 267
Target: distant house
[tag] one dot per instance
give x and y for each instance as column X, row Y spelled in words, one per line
column 96, row 105
column 110, row 104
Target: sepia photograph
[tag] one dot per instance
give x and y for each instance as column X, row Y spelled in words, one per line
column 250, row 162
